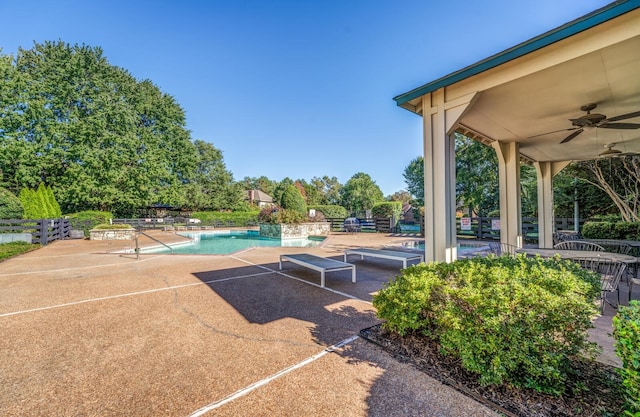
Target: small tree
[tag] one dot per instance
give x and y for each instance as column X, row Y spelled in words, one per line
column 10, row 205
column 292, row 200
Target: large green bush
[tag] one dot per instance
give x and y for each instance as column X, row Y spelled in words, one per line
column 39, row 203
column 278, row 215
column 387, row 209
column 235, row 218
column 611, row 230
column 510, row 320
column 292, row 200
column 10, row 205
column 331, row 211
column 626, row 331
column 87, row 220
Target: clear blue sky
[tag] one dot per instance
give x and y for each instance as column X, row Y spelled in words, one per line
column 295, row 88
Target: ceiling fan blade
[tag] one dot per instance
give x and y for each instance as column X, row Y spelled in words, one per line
column 624, row 116
column 573, row 135
column 553, row 131
column 620, row 125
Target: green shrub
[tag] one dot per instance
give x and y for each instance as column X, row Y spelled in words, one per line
column 387, row 209
column 107, row 226
column 278, row 215
column 509, row 320
column 236, row 218
column 626, row 332
column 10, row 205
column 611, row 230
column 87, row 220
column 331, row 211
column 292, row 200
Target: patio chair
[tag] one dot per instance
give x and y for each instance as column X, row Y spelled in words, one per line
column 633, row 281
column 564, row 236
column 615, row 247
column 579, row 245
column 610, row 272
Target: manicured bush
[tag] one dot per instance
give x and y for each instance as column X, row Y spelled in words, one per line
column 87, row 220
column 40, row 203
column 235, row 218
column 107, row 226
column 10, row 205
column 626, row 332
column 292, row 200
column 387, row 209
column 331, row 211
column 278, row 215
column 509, row 320
column 611, row 230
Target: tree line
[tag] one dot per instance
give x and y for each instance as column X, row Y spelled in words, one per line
column 100, row 139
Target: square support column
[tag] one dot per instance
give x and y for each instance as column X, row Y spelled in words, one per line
column 545, row 172
column 510, row 203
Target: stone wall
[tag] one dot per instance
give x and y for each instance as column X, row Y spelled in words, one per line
column 112, row 234
column 293, row 231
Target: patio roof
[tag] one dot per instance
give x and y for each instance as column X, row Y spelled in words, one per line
column 531, row 89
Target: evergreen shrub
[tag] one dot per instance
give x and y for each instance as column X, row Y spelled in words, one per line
column 509, row 320
column 292, row 200
column 10, row 205
column 331, row 211
column 108, row 226
column 236, row 218
column 626, row 332
column 611, row 230
column 278, row 215
column 387, row 209
column 88, row 219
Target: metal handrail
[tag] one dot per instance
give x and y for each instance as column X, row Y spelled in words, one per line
column 152, row 238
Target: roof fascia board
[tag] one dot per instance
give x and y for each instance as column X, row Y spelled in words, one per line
column 567, row 30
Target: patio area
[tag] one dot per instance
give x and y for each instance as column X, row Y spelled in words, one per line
column 90, row 332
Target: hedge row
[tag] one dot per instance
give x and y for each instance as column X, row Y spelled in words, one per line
column 611, row 230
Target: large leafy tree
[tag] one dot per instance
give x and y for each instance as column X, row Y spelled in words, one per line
column 476, row 176
column 262, row 183
column 212, row 186
column 99, row 137
column 328, row 189
column 360, row 193
column 414, row 178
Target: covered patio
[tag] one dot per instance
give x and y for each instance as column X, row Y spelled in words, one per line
column 569, row 94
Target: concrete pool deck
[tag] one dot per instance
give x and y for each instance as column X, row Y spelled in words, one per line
column 86, row 331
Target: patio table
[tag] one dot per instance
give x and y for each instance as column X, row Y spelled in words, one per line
column 576, row 254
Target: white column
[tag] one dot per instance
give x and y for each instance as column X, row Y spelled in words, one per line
column 510, row 203
column 439, row 120
column 545, row 172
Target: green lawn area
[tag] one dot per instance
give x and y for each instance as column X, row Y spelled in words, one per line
column 7, row 250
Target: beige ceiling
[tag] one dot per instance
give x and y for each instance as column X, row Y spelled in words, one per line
column 540, row 91
column 546, row 100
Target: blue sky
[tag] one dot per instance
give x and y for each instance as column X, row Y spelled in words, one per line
column 296, row 89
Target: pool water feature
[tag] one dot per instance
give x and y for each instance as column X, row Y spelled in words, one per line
column 226, row 242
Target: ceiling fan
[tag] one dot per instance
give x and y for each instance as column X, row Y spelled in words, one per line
column 610, row 151
column 595, row 120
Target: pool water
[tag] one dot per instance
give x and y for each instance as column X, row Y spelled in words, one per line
column 463, row 248
column 225, row 242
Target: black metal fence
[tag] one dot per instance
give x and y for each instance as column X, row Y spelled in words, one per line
column 42, row 231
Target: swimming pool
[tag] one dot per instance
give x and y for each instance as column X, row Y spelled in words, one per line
column 225, row 242
column 465, row 248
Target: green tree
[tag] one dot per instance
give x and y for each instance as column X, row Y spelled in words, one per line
column 477, row 185
column 262, row 183
column 10, row 205
column 103, row 139
column 328, row 189
column 281, row 188
column 414, row 178
column 292, row 200
column 360, row 193
column 212, row 186
column 403, row 196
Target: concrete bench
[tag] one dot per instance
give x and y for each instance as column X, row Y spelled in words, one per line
column 320, row 264
column 384, row 254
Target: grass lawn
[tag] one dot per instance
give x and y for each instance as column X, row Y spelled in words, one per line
column 7, row 250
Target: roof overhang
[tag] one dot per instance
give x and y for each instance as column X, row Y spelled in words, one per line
column 534, row 88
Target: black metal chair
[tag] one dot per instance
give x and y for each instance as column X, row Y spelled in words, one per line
column 579, row 245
